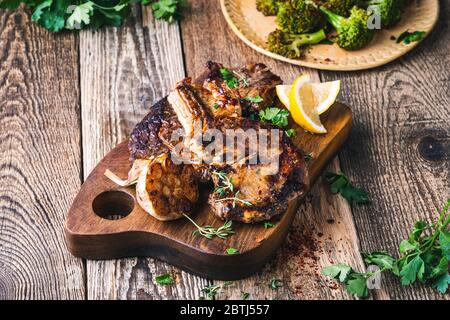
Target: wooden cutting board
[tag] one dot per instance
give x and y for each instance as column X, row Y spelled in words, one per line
column 105, row 221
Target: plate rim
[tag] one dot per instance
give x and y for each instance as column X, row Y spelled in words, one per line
column 319, row 66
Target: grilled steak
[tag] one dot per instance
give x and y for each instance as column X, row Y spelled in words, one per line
column 260, row 189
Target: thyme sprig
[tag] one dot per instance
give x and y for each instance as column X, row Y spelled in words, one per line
column 225, row 187
column 210, row 292
column 235, row 200
column 210, row 232
column 226, row 183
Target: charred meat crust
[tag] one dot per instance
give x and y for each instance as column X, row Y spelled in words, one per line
column 151, row 136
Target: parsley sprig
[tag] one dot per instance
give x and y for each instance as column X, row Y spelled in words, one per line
column 229, row 78
column 425, row 258
column 56, row 15
column 233, row 78
column 408, row 37
column 168, row 10
column 339, row 183
column 164, row 279
column 210, row 232
column 276, row 116
column 256, row 99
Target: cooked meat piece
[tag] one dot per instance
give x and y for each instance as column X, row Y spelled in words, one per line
column 151, row 137
column 167, row 191
column 268, row 189
column 253, row 80
column 260, row 190
column 263, row 190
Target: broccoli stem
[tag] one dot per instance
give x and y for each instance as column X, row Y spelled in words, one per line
column 333, row 18
column 309, row 38
column 306, row 39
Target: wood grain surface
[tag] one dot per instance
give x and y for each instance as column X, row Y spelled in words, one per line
column 66, row 100
column 40, row 160
column 401, row 137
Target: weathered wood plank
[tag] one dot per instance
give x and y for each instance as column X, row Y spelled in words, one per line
column 123, row 72
column 40, row 163
column 206, row 36
column 400, row 146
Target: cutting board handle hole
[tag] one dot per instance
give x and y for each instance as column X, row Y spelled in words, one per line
column 113, row 204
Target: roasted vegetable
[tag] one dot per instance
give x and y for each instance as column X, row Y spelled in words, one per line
column 390, row 11
column 298, row 16
column 292, row 45
column 353, row 32
column 340, row 7
column 268, row 7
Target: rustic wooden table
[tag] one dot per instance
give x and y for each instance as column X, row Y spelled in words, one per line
column 67, row 99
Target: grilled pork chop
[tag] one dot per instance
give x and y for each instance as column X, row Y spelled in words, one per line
column 259, row 190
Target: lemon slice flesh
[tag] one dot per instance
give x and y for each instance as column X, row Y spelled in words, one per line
column 325, row 94
column 303, row 106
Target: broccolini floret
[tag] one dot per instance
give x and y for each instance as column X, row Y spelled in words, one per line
column 340, row 7
column 268, row 7
column 353, row 32
column 292, row 45
column 390, row 11
column 298, row 16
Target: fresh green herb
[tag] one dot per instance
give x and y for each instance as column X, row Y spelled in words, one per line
column 291, row 132
column 235, row 200
column 268, row 224
column 216, row 106
column 243, row 80
column 168, row 10
column 211, row 292
column 339, row 183
column 245, row 295
column 408, row 37
column 229, row 78
column 232, row 251
column 275, row 284
column 164, row 279
column 256, row 99
column 425, row 257
column 56, row 15
column 226, row 187
column 210, row 232
column 276, row 116
column 226, row 183
column 308, row 157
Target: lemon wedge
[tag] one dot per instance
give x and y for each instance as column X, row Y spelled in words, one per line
column 325, row 93
column 302, row 105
